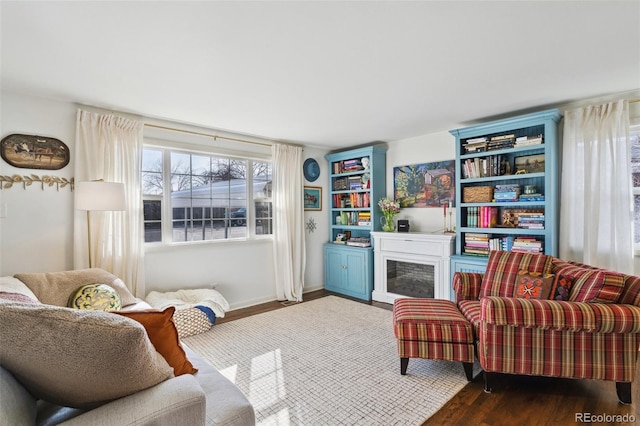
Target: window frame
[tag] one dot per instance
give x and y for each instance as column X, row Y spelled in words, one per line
column 166, row 208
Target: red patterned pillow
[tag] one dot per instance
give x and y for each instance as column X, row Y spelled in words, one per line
column 533, row 285
column 502, row 268
column 597, row 286
column 561, row 287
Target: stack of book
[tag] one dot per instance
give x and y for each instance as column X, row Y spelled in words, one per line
column 531, row 220
column 483, row 167
column 506, row 193
column 532, row 197
column 361, row 199
column 482, row 217
column 364, row 219
column 528, row 140
column 507, row 243
column 526, row 245
column 352, row 165
column 359, row 242
column 355, row 183
column 476, row 244
column 475, row 145
column 340, row 184
column 501, row 142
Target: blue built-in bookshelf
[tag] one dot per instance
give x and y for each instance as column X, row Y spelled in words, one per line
column 506, row 188
column 356, row 184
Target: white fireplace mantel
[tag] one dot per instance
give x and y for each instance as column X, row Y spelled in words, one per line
column 434, row 249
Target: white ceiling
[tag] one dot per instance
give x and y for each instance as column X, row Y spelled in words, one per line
column 321, row 73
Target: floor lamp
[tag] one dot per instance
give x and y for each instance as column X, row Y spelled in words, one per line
column 98, row 195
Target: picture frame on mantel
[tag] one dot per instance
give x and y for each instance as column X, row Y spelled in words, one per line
column 312, row 198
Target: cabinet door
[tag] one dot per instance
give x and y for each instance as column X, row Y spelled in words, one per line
column 356, row 273
column 334, row 270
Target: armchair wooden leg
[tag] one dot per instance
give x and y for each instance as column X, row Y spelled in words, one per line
column 468, row 370
column 404, row 363
column 487, row 381
column 623, row 389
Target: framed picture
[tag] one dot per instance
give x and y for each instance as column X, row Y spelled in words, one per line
column 529, row 164
column 312, row 198
column 425, row 184
column 34, row 152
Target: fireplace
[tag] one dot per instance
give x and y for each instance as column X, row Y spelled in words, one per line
column 411, row 265
column 410, row 279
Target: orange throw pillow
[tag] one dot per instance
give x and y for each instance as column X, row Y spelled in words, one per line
column 163, row 334
column 533, row 285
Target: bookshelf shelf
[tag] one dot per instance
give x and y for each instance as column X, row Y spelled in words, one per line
column 355, row 186
column 516, row 158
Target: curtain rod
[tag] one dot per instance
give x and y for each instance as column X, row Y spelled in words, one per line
column 215, row 137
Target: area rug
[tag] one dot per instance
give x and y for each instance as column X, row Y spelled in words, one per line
column 329, row 361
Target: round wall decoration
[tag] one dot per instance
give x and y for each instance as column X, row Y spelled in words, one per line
column 311, row 169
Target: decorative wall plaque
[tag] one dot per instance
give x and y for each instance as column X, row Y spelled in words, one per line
column 34, row 152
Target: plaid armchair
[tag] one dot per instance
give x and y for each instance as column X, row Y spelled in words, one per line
column 588, row 327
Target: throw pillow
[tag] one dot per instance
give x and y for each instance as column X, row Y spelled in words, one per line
column 54, row 288
column 502, row 268
column 532, row 285
column 164, row 336
column 561, row 287
column 77, row 358
column 596, row 286
column 97, row 297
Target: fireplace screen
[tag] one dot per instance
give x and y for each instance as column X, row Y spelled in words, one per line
column 410, row 279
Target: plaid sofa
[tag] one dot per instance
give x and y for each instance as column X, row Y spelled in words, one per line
column 588, row 327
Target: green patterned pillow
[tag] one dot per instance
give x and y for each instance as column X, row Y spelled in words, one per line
column 96, row 297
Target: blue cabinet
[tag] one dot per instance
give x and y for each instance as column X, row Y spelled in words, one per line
column 349, row 270
column 356, row 184
column 507, row 188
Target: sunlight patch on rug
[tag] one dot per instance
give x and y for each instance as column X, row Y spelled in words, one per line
column 330, row 361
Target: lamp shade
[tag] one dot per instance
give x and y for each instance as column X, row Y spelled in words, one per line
column 100, row 195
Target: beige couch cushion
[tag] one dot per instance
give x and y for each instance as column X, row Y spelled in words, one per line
column 54, row 288
column 77, row 358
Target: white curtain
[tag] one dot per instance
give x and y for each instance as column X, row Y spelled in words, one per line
column 596, row 214
column 109, row 147
column 288, row 217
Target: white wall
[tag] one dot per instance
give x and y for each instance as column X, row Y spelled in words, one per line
column 36, row 234
column 314, row 274
column 416, row 150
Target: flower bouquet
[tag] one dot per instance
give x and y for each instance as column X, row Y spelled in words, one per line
column 389, row 209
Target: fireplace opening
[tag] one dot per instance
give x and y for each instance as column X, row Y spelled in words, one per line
column 410, row 279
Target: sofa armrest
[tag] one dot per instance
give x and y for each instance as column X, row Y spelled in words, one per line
column 179, row 400
column 466, row 285
column 559, row 315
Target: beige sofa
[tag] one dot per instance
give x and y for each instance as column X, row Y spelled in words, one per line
column 203, row 398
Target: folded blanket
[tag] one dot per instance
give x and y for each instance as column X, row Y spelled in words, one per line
column 191, row 298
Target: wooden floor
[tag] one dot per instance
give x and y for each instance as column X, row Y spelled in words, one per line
column 515, row 400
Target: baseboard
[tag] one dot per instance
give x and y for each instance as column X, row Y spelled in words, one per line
column 258, row 301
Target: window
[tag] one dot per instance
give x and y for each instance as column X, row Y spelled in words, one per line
column 193, row 196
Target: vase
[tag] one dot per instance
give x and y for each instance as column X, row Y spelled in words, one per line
column 387, row 223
